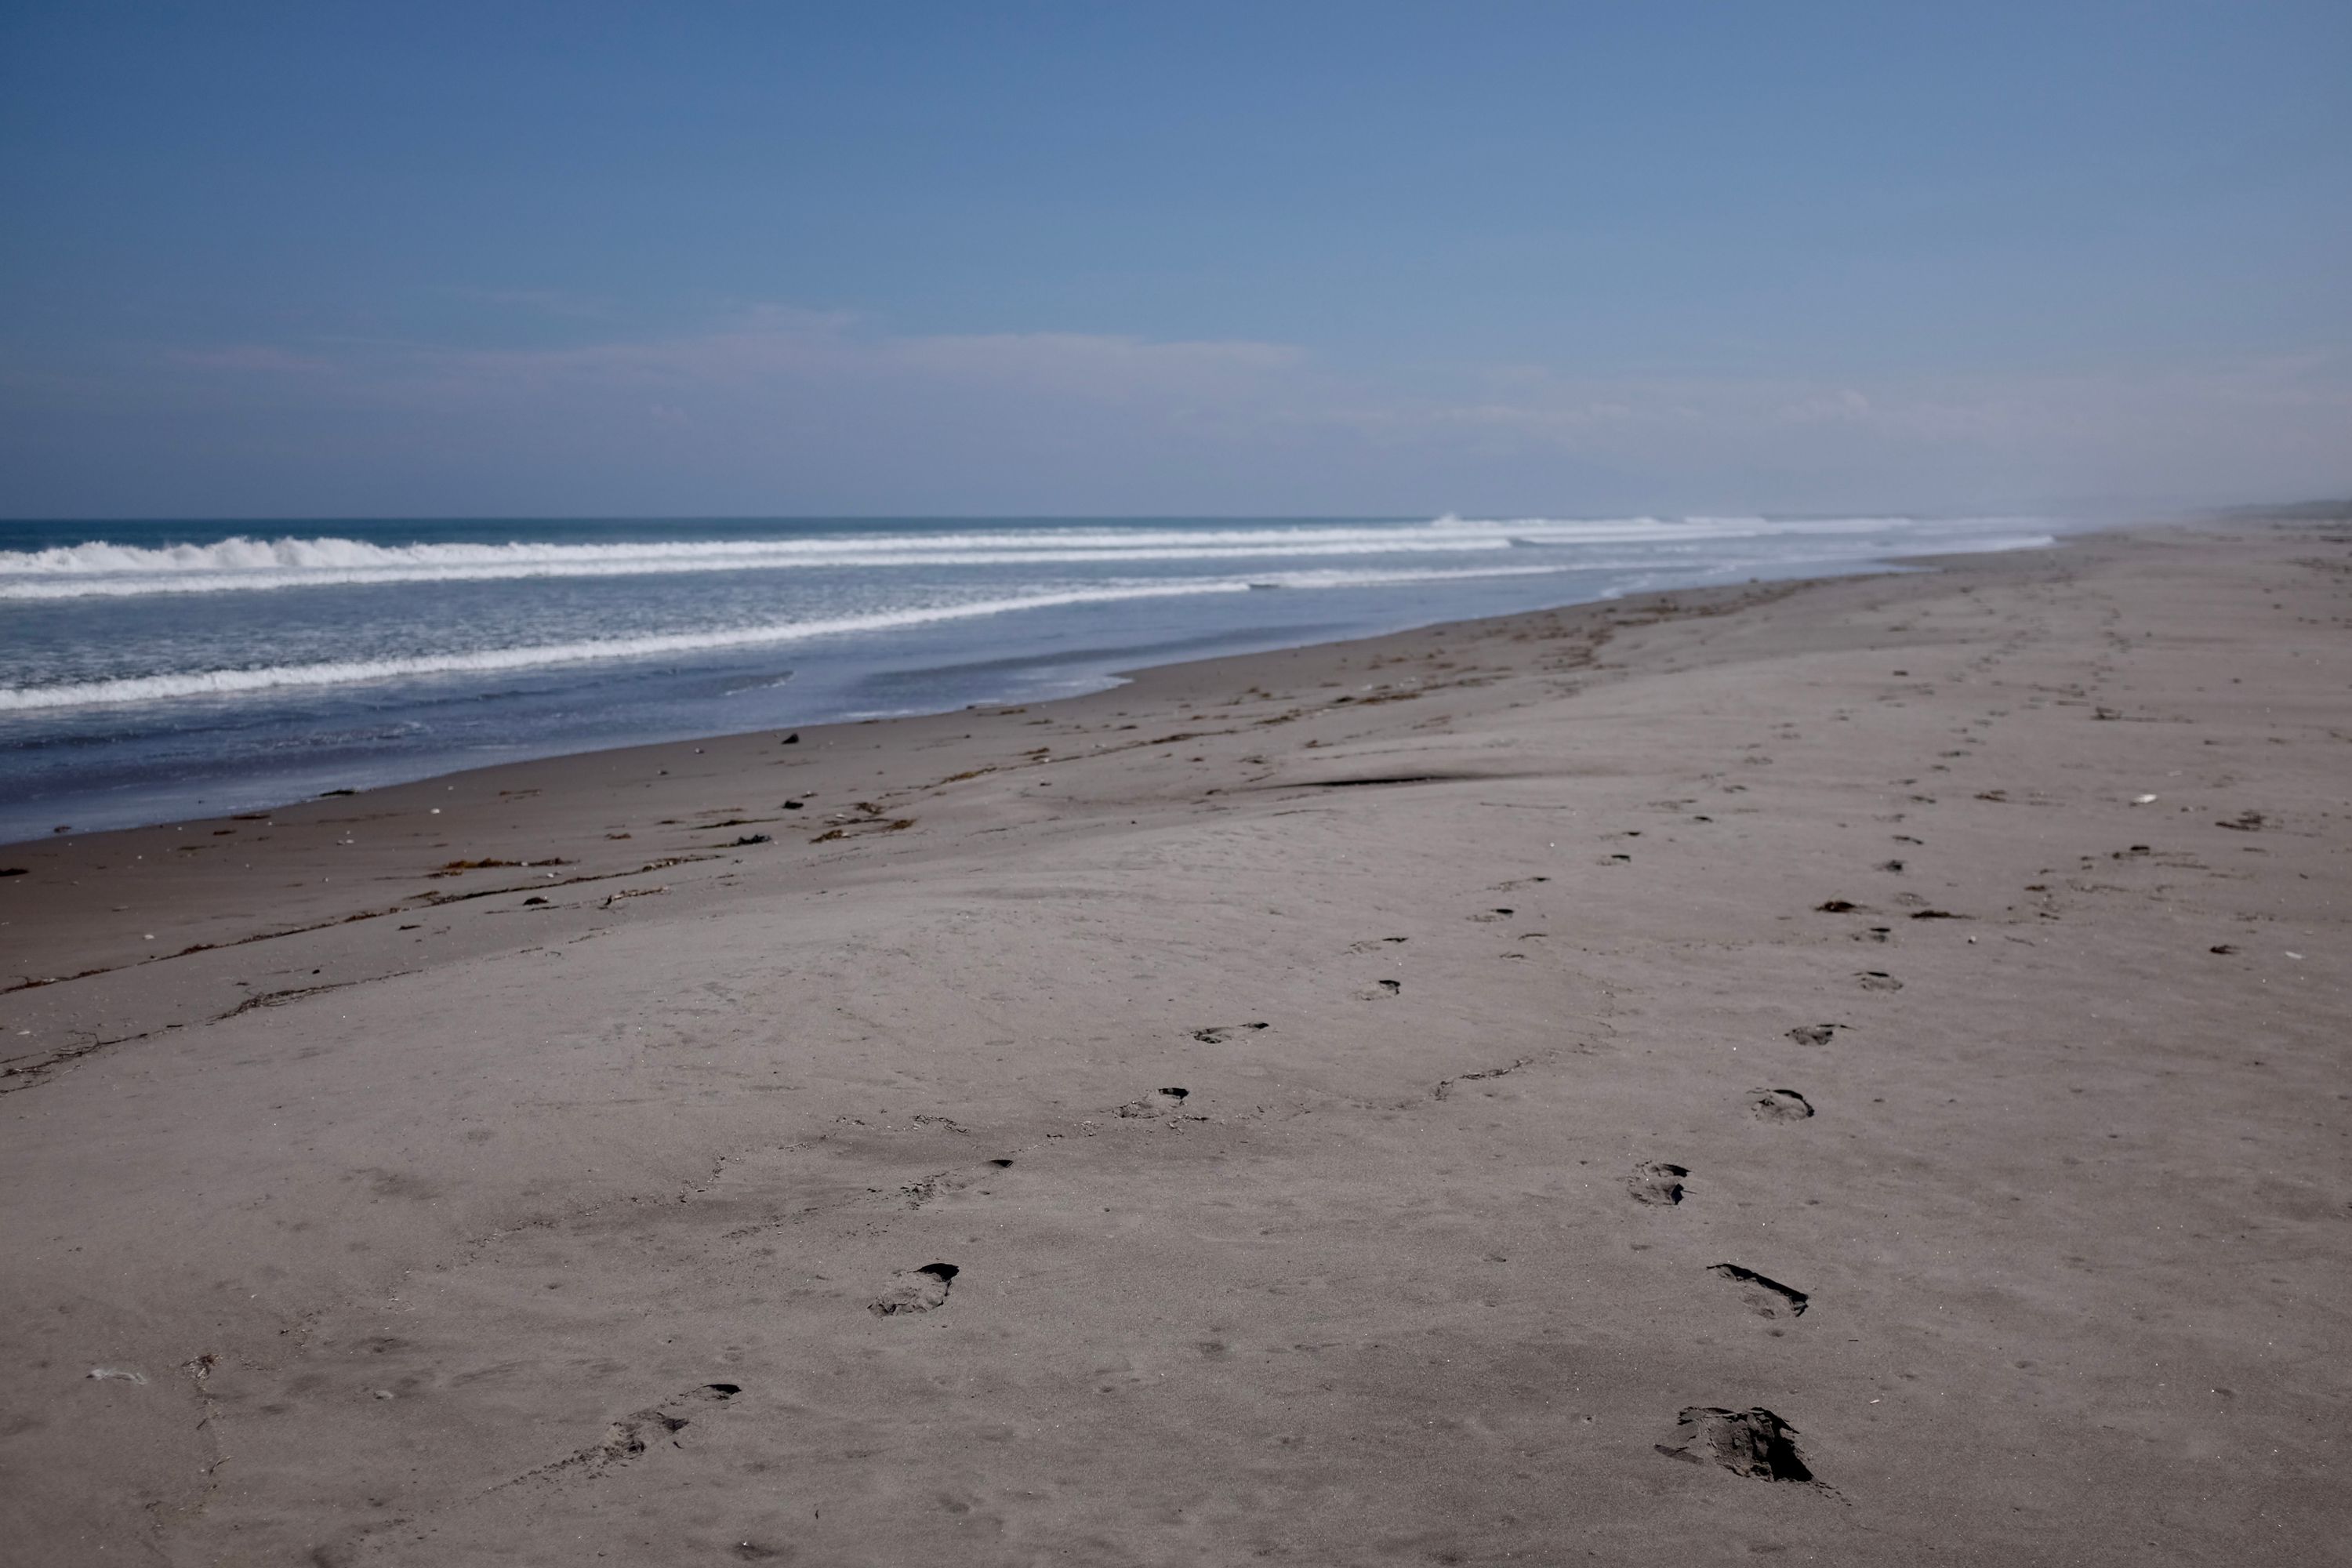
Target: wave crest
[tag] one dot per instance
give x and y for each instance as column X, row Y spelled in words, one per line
column 101, row 568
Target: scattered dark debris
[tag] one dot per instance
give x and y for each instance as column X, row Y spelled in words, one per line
column 853, row 827
column 279, row 998
column 458, row 868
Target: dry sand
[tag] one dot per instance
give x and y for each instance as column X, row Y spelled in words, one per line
column 1374, row 1102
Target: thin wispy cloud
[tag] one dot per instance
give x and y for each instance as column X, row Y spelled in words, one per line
column 813, row 406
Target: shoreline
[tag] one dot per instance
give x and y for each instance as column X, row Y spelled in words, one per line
column 1287, row 1058
column 320, row 820
column 244, row 760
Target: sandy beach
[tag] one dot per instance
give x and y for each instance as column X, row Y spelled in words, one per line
column 1838, row 1072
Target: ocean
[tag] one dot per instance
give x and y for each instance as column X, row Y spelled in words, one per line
column 156, row 670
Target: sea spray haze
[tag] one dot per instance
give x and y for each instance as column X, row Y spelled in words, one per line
column 152, row 669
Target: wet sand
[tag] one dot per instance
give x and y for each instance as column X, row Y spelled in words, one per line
column 1734, row 1073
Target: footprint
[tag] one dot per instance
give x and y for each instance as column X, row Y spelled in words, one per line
column 1753, row 1443
column 1218, row 1034
column 1159, row 1102
column 1655, row 1182
column 1877, row 980
column 630, row 1435
column 1778, row 1105
column 917, row 1291
column 915, row 1195
column 1765, row 1298
column 1814, row 1033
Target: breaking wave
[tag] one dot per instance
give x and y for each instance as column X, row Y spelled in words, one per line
column 243, row 563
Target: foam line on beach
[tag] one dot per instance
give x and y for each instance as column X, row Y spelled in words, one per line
column 345, row 672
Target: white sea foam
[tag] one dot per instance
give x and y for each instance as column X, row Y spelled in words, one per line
column 344, row 672
column 102, row 569
column 1378, row 556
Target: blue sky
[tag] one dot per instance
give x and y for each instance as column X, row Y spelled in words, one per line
column 312, row 261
